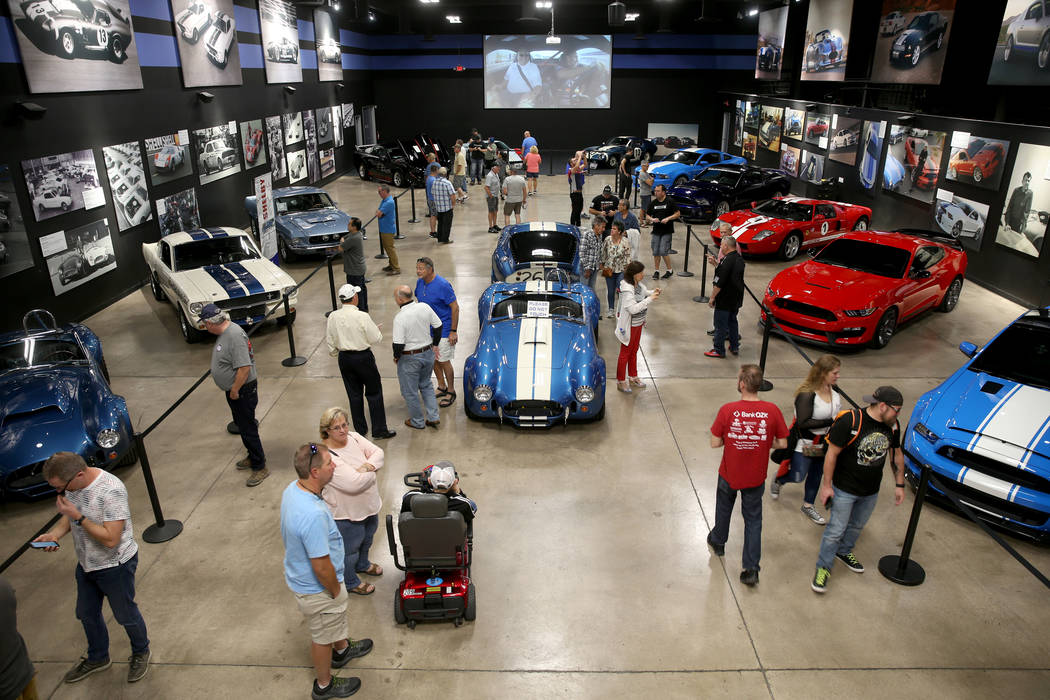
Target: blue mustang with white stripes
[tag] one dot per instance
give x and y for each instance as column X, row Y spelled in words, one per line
column 529, row 251
column 221, row 266
column 537, row 363
column 985, row 431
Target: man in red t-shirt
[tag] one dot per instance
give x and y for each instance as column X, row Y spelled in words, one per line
column 748, row 429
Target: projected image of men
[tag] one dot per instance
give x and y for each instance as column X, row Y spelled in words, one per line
column 523, row 80
column 530, row 72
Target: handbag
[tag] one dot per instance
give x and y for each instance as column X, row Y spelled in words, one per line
column 817, row 449
column 607, row 272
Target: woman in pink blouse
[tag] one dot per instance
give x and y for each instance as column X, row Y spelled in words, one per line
column 532, row 169
column 352, row 496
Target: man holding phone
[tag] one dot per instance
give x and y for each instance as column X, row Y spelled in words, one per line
column 96, row 510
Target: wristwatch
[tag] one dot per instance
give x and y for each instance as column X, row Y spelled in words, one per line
column 900, row 486
column 80, row 520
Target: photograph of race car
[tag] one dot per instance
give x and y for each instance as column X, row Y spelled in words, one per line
column 811, row 167
column 76, row 45
column 326, row 42
column 178, row 212
column 789, row 157
column 252, row 143
column 217, row 152
column 525, row 72
column 537, row 250
column 536, row 364
column 308, row 221
column 327, row 158
column 827, row 40
column 323, row 122
column 961, row 218
column 868, row 170
column 168, row 158
column 794, row 119
column 911, row 41
column 1022, row 52
column 206, row 36
column 750, row 146
column 861, row 287
column 293, row 128
column 1025, row 208
column 722, row 188
column 280, row 39
column 892, row 22
column 769, row 132
column 752, row 115
column 772, row 28
column 63, row 183
column 842, row 146
column 817, row 127
column 921, row 158
column 79, row 255
column 296, row 164
column 129, row 194
column 275, row 140
column 977, row 160
column 609, row 154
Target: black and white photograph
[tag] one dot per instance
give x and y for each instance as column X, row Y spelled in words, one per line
column 525, row 72
column 977, row 160
column 826, row 47
column 206, row 33
column 310, row 130
column 961, row 218
column 919, row 152
column 323, row 121
column 811, row 166
column 76, row 45
column 15, row 255
column 63, row 183
column 280, row 39
column 215, row 150
column 252, row 147
column 769, row 131
column 844, row 140
column 178, row 212
column 1022, row 50
column 1026, row 209
column 293, row 128
column 738, row 124
column 275, row 138
column 772, row 27
column 296, row 165
column 327, row 162
column 912, row 41
column 329, row 51
column 794, row 122
column 348, row 116
column 78, row 255
column 127, row 184
column 337, row 127
column 789, row 158
column 168, row 157
column 817, row 128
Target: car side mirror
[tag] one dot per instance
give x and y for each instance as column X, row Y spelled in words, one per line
column 920, row 274
column 968, row 349
column 754, row 204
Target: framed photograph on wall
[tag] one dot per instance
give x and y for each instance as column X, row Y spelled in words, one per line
column 752, row 115
column 738, row 124
column 769, row 132
column 168, row 157
column 919, row 151
column 78, row 255
column 280, row 38
column 327, row 162
column 817, row 128
column 794, row 121
column 977, row 160
column 329, row 50
column 911, row 43
column 750, row 145
column 811, row 167
column 275, row 138
column 961, row 218
column 789, row 157
column 313, row 166
column 293, row 128
column 772, row 28
column 63, row 183
column 337, row 127
column 15, row 254
column 845, row 136
column 1021, row 56
column 296, row 165
column 827, row 40
column 348, row 117
column 178, row 212
column 1024, row 218
column 216, row 152
column 206, row 34
column 127, row 183
column 323, row 121
column 252, row 146
column 872, row 138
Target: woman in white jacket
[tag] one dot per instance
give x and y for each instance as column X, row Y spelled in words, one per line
column 634, row 304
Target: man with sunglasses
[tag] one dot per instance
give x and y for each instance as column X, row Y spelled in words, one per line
column 858, row 442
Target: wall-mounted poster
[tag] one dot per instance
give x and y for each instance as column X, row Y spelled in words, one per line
column 178, row 212
column 348, row 117
column 960, row 218
column 216, row 152
column 207, row 37
column 168, row 157
column 76, row 45
column 752, row 115
column 337, row 127
column 78, row 255
column 1021, row 56
column 275, row 137
column 668, row 137
column 794, row 120
column 827, row 40
column 845, row 135
column 15, row 255
column 977, row 160
column 296, row 165
column 919, row 151
column 750, row 145
column 252, row 144
column 327, row 162
column 817, row 127
column 811, row 166
column 323, row 120
column 329, row 52
column 293, row 128
column 310, row 130
column 772, row 28
column 789, row 157
column 62, row 183
column 769, row 132
column 127, row 183
column 1025, row 217
column 911, row 41
column 870, row 151
column 280, row 38
column 738, row 124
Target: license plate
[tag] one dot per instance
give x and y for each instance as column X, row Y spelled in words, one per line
column 896, row 54
column 594, row 165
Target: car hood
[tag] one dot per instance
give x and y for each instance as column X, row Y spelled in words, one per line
column 695, row 190
column 611, row 149
column 909, row 36
column 666, row 167
column 231, row 281
column 545, row 342
column 311, row 223
column 830, row 287
column 41, row 405
column 745, row 223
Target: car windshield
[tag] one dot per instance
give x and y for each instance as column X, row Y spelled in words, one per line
column 921, row 22
column 212, row 251
column 782, row 209
column 719, row 176
column 873, row 147
column 541, row 246
column 875, row 259
column 617, row 141
column 303, row 202
column 517, row 305
column 40, row 351
column 687, row 157
column 1021, row 354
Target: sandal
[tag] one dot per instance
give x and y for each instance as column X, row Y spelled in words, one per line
column 373, row 570
column 440, row 393
column 363, row 589
column 450, row 398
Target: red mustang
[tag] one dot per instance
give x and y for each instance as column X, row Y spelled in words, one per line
column 785, row 225
column 251, row 146
column 817, row 128
column 983, row 164
column 862, row 285
column 913, row 148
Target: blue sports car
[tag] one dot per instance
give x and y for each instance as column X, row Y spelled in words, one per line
column 537, row 361
column 685, row 164
column 613, row 151
column 55, row 397
column 985, row 431
column 530, row 251
column 892, row 171
column 307, row 221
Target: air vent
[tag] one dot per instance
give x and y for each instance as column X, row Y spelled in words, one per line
column 991, row 387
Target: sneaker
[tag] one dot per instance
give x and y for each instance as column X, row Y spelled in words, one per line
column 656, row 275
column 749, row 577
column 674, row 252
column 711, row 332
column 337, row 688
column 715, row 353
column 465, row 198
column 85, row 668
column 610, row 314
column 245, row 463
column 668, row 273
column 393, row 273
column 719, row 549
column 624, row 387
column 820, row 580
column 851, row 561
column 257, row 477
column 355, row 649
column 816, row 517
column 385, row 435
column 774, row 491
column 138, row 664
column 636, row 382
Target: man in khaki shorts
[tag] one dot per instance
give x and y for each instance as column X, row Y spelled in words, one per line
column 516, row 190
column 313, row 569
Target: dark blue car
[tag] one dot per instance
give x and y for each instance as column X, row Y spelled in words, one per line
column 308, row 221
column 723, row 188
column 55, row 397
column 613, row 151
column 530, row 251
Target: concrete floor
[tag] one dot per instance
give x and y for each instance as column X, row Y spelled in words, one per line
column 592, row 573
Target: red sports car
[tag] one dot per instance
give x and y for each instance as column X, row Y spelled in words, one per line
column 786, row 225
column 913, row 148
column 817, row 128
column 861, row 286
column 983, row 164
column 252, row 145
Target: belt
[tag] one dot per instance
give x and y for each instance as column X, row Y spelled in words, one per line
column 365, row 350
column 417, row 350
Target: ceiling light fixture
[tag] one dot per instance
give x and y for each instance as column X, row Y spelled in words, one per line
column 551, row 39
column 371, row 16
column 631, row 16
column 752, row 12
column 453, row 19
column 430, row 2
column 544, row 4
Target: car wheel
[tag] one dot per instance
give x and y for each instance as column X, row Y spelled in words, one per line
column 721, row 208
column 613, row 161
column 956, row 229
column 399, row 179
column 791, row 245
column 285, row 254
column 977, row 174
column 399, row 613
column 471, row 610
column 189, row 333
column 1043, row 57
column 884, row 331
column 940, row 41
column 679, row 181
column 67, row 45
column 1008, row 52
column 193, row 37
column 861, row 225
column 116, row 50
column 154, row 285
column 362, row 172
column 65, row 206
column 951, row 295
column 916, row 56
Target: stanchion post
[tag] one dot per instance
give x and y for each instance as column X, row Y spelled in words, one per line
column 901, row 569
column 767, row 329
column 397, row 221
column 703, row 299
column 688, row 240
column 162, row 530
column 292, row 360
column 412, row 194
column 331, row 281
column 382, row 253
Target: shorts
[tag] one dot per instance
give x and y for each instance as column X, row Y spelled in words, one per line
column 325, row 616
column 431, row 209
column 511, row 208
column 459, row 181
column 534, row 176
column 661, row 244
column 445, row 352
column 493, row 203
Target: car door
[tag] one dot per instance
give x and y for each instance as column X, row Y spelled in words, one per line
column 749, row 189
column 1029, row 26
column 922, row 288
column 163, row 271
column 826, row 224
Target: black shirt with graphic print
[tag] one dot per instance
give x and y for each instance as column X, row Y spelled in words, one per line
column 858, row 470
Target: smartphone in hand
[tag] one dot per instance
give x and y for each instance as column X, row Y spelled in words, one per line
column 42, row 545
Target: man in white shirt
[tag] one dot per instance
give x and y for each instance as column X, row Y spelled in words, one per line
column 523, row 78
column 350, row 334
column 516, row 190
column 492, row 193
column 417, row 331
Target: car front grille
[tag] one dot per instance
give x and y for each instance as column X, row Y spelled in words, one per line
column 680, row 200
column 249, row 306
column 324, row 238
column 805, row 309
column 533, row 413
column 996, row 469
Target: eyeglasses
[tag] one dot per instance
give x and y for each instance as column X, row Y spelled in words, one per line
column 896, row 409
column 313, row 453
column 339, row 426
column 62, row 491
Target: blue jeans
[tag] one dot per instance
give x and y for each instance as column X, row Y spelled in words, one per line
column 357, row 540
column 848, row 516
column 725, row 327
column 475, row 169
column 611, row 285
column 750, row 509
column 117, row 585
column 413, row 373
column 810, row 468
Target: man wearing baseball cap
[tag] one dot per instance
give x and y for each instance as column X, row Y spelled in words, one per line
column 441, row 477
column 858, row 442
column 605, row 205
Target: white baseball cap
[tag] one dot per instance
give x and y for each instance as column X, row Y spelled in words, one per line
column 347, row 292
column 442, row 475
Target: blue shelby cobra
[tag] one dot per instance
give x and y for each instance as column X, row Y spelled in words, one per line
column 985, row 431
column 531, row 251
column 308, row 221
column 54, row 397
column 537, row 361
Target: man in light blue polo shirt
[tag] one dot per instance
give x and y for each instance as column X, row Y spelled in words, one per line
column 527, row 143
column 387, row 216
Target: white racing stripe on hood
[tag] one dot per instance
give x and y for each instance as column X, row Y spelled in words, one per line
column 1013, row 427
column 543, row 226
column 662, row 165
column 752, row 221
column 534, row 359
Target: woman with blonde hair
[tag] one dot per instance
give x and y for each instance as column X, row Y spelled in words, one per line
column 634, row 303
column 352, row 495
column 816, row 405
column 532, row 168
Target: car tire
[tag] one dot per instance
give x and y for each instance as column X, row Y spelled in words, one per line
column 283, row 251
column 287, row 319
column 956, row 229
column 154, row 285
column 885, row 329
column 977, row 174
column 916, row 56
column 1042, row 57
column 193, row 37
column 362, row 171
column 67, row 44
column 951, row 296
column 129, row 458
column 116, row 50
column 471, row 610
column 861, row 225
column 791, row 246
column 189, row 333
column 65, row 206
column 399, row 179
column 399, row 612
column 722, row 207
column 1008, row 51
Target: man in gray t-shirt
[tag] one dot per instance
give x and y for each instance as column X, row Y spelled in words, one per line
column 353, row 250
column 516, row 190
column 233, row 369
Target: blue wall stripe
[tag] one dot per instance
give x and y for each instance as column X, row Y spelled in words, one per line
column 682, row 62
column 423, row 62
column 157, row 50
column 353, row 39
column 306, row 30
column 308, row 59
column 355, row 61
column 467, row 42
column 251, row 55
column 8, row 52
column 686, row 41
column 154, row 9
column 247, row 19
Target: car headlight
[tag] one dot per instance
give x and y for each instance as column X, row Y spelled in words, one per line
column 770, row 292
column 716, row 225
column 860, row 313
column 703, row 202
column 107, row 438
column 483, row 393
column 585, row 394
column 762, row 235
column 926, row 432
column 195, row 308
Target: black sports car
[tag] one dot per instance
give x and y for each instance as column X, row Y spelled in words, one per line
column 722, row 188
column 925, row 31
column 400, row 162
column 612, row 151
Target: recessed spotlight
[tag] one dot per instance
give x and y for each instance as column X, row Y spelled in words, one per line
column 430, row 2
column 632, row 16
column 371, row 16
column 453, row 19
column 752, row 12
column 544, row 4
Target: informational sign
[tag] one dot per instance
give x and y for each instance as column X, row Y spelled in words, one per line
column 53, row 243
column 265, row 215
column 538, row 309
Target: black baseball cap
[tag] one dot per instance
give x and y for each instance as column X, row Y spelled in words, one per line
column 608, row 188
column 887, row 395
